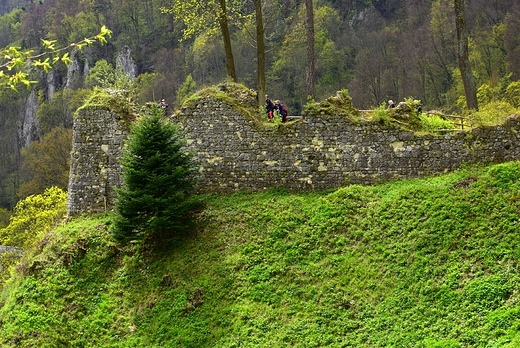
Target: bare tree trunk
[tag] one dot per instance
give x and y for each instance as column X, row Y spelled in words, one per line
column 222, row 19
column 309, row 71
column 468, row 80
column 260, row 48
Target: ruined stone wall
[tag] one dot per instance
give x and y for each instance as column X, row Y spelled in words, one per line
column 314, row 153
column 97, row 143
column 322, row 152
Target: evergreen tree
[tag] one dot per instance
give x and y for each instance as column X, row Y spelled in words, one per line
column 158, row 178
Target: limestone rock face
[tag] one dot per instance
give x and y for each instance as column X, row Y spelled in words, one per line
column 125, row 62
column 28, row 131
column 73, row 71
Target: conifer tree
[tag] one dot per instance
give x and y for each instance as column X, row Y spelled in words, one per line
column 158, row 181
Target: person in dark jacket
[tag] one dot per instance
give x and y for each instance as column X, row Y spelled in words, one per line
column 269, row 107
column 281, row 110
column 163, row 105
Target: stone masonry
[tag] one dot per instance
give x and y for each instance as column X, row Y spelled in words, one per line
column 97, row 143
column 315, row 153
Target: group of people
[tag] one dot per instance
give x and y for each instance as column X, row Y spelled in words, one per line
column 391, row 104
column 272, row 109
column 275, row 109
column 403, row 106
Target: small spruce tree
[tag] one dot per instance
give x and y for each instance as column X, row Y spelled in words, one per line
column 158, row 179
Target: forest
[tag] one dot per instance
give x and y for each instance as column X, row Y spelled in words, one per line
column 376, row 49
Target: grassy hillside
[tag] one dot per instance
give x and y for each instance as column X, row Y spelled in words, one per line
column 419, row 263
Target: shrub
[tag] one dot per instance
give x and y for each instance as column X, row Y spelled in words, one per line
column 513, row 93
column 32, row 217
column 504, row 174
column 492, row 113
column 311, row 107
column 433, row 123
column 381, row 113
column 486, row 292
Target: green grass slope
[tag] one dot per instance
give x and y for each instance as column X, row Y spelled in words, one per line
column 419, row 263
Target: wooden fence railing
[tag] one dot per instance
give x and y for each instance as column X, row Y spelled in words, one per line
column 463, row 120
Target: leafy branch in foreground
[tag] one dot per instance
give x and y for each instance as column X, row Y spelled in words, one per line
column 14, row 63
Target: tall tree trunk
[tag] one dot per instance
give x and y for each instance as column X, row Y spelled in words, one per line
column 309, row 71
column 468, row 80
column 260, row 49
column 222, row 19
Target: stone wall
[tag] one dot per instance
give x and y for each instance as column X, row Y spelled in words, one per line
column 314, row 153
column 97, row 143
column 322, row 152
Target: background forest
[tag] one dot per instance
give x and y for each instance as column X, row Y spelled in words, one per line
column 377, row 49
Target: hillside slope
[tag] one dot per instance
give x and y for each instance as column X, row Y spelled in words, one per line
column 420, row 263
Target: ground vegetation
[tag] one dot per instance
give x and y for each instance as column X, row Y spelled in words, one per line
column 429, row 262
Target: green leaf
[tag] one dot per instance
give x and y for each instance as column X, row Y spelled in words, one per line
column 49, row 44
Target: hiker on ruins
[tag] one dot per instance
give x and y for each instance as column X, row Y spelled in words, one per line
column 281, row 110
column 163, row 105
column 269, row 107
column 403, row 106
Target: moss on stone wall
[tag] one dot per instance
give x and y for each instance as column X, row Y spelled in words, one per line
column 340, row 104
column 116, row 101
column 234, row 95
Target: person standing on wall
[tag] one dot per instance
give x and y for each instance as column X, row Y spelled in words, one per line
column 281, row 110
column 269, row 107
column 163, row 105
